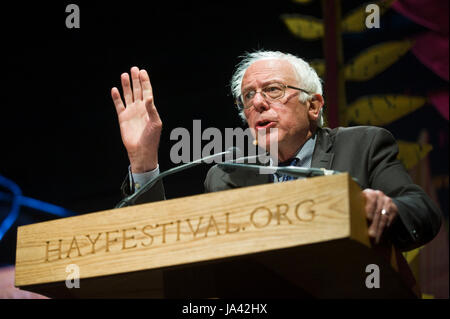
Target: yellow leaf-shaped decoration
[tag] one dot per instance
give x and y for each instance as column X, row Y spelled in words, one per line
column 355, row 21
column 412, row 254
column 412, row 257
column 380, row 110
column 411, row 153
column 304, row 27
column 318, row 66
column 375, row 60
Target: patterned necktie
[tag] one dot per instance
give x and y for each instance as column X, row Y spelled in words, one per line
column 289, row 162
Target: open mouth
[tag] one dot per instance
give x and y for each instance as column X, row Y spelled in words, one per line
column 264, row 124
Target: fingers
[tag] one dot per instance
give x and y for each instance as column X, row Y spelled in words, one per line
column 147, row 91
column 140, row 82
column 126, row 87
column 147, row 94
column 371, row 203
column 152, row 112
column 137, row 89
column 385, row 217
column 142, row 90
column 377, row 206
column 392, row 212
column 380, row 212
column 117, row 100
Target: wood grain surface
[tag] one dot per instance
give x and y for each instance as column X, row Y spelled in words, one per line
column 192, row 229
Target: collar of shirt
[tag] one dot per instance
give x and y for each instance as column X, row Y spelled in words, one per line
column 304, row 155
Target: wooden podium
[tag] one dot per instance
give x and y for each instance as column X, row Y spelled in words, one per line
column 304, row 238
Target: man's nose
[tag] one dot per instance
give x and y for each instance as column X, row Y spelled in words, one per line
column 259, row 102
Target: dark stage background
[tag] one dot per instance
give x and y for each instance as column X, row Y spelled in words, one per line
column 60, row 139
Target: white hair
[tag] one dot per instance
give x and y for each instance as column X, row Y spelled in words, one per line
column 306, row 76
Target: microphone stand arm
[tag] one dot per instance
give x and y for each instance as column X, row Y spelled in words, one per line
column 288, row 170
column 129, row 200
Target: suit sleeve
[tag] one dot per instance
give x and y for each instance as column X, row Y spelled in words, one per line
column 154, row 194
column 419, row 218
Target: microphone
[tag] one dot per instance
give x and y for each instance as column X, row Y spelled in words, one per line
column 129, row 200
column 294, row 171
column 286, row 170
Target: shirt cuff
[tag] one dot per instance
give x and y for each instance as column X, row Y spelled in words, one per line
column 137, row 180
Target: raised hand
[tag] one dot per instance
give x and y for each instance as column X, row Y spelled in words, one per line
column 140, row 125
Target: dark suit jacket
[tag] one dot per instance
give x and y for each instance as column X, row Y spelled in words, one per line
column 368, row 154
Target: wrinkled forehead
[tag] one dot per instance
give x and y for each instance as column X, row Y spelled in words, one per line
column 267, row 70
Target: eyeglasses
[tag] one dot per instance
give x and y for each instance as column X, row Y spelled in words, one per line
column 270, row 92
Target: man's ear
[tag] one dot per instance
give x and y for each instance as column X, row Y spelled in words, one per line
column 315, row 105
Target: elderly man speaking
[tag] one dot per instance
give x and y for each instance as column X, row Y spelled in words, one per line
column 275, row 90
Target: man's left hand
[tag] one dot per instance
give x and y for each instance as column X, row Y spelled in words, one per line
column 380, row 212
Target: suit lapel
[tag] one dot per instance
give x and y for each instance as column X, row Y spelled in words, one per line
column 322, row 156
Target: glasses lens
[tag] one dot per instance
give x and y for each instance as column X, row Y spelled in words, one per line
column 274, row 91
column 247, row 97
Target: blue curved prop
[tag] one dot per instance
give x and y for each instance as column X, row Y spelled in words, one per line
column 18, row 200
